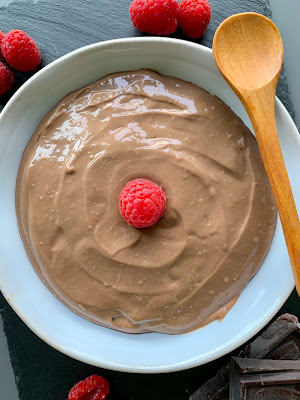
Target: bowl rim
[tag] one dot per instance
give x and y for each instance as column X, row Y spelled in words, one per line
column 69, row 351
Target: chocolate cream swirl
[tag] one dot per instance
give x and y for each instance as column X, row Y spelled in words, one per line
column 190, row 267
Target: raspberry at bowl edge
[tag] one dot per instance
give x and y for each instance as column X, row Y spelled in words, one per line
column 20, row 51
column 157, row 17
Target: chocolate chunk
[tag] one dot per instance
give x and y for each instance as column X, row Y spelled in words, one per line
column 216, row 388
column 280, row 341
column 264, row 379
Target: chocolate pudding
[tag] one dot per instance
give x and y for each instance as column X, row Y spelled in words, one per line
column 190, row 267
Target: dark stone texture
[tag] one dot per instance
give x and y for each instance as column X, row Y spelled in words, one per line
column 58, row 28
column 62, row 26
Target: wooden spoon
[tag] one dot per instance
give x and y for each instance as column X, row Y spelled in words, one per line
column 248, row 51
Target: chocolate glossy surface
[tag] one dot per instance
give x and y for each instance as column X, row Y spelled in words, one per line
column 189, row 268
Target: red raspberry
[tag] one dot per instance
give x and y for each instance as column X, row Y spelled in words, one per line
column 142, row 203
column 1, row 37
column 7, row 78
column 92, row 388
column 157, row 17
column 193, row 17
column 20, row 51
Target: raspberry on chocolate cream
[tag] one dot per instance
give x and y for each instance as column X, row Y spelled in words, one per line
column 142, row 203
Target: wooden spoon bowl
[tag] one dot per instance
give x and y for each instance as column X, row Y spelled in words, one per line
column 249, row 50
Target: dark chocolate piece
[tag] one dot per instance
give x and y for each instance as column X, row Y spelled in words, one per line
column 264, row 379
column 281, row 340
column 214, row 389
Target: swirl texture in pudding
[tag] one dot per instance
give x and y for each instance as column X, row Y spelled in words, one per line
column 190, row 267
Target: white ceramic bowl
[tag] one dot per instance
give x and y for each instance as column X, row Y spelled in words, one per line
column 28, row 296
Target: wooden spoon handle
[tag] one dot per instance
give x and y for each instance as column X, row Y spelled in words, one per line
column 260, row 106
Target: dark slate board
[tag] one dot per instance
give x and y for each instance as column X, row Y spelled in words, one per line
column 58, row 28
column 62, row 26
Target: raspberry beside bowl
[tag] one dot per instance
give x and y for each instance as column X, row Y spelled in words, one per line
column 39, row 309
